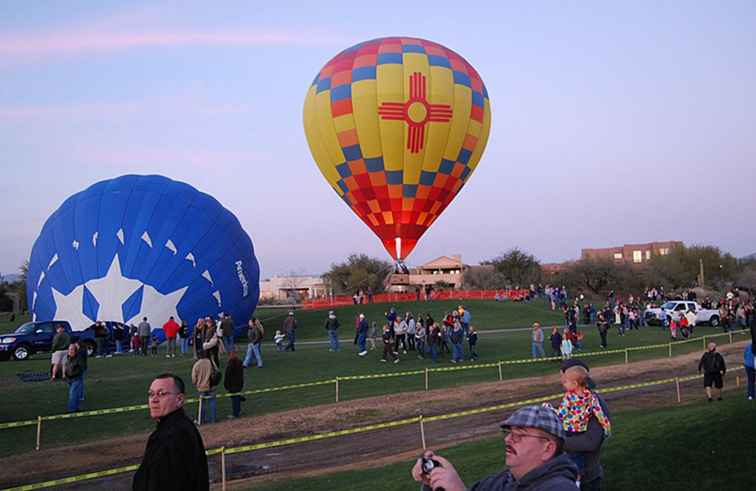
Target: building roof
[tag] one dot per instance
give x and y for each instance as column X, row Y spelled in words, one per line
column 444, row 262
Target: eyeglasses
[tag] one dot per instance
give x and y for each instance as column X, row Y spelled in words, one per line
column 159, row 394
column 516, row 437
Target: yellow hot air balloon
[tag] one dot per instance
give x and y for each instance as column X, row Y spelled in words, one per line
column 397, row 126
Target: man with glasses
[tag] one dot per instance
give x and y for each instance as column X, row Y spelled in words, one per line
column 175, row 455
column 534, row 439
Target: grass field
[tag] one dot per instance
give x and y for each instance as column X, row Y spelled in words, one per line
column 702, row 446
column 123, row 380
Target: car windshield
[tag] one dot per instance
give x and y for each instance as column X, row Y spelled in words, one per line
column 669, row 305
column 27, row 328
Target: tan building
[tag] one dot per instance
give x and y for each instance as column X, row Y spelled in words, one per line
column 631, row 253
column 447, row 269
column 293, row 288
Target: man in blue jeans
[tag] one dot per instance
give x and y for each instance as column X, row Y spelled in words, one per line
column 73, row 374
column 332, row 327
column 457, row 337
column 361, row 335
column 255, row 335
column 202, row 378
column 289, row 327
column 227, row 330
column 750, row 368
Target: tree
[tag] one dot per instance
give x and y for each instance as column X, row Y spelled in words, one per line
column 20, row 285
column 483, row 278
column 358, row 272
column 680, row 268
column 6, row 303
column 596, row 275
column 516, row 267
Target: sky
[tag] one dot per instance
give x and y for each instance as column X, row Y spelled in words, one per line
column 612, row 122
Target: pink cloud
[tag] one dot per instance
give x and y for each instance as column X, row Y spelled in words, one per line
column 32, row 46
column 185, row 102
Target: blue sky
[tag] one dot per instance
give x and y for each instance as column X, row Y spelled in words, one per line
column 612, row 122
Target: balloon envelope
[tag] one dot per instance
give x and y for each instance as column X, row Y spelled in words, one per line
column 397, row 126
column 142, row 246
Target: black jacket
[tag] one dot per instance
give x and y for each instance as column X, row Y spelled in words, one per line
column 174, row 458
column 712, row 362
column 331, row 324
column 234, row 380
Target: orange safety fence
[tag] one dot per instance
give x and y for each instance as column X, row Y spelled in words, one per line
column 342, row 300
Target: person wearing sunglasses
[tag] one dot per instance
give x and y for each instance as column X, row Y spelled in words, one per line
column 174, row 458
column 533, row 444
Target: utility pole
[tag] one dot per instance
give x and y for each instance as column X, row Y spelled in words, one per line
column 700, row 273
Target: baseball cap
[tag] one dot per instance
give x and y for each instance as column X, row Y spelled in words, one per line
column 542, row 418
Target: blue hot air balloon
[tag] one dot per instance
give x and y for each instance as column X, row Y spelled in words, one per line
column 142, row 246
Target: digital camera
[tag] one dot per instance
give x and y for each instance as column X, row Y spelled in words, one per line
column 428, row 464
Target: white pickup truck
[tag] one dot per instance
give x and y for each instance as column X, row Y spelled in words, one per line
column 674, row 308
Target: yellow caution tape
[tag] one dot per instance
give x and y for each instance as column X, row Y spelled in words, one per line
column 99, row 412
column 382, row 375
column 96, row 412
column 72, row 479
column 18, row 424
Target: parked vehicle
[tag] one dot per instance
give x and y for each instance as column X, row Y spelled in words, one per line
column 110, row 332
column 37, row 337
column 30, row 338
column 676, row 308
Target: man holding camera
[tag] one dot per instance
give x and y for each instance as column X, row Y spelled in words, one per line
column 534, row 441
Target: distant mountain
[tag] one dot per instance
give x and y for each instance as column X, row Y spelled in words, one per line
column 10, row 278
column 750, row 256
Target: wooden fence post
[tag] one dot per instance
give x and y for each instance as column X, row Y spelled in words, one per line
column 501, row 375
column 223, row 467
column 199, row 412
column 426, row 380
column 337, row 389
column 730, row 333
column 422, row 432
column 737, row 381
column 39, row 432
column 670, row 350
column 677, row 387
column 704, row 342
column 627, row 356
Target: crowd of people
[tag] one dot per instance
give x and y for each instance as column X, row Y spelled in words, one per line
column 406, row 334
column 546, row 447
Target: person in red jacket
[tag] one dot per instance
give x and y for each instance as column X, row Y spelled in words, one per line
column 170, row 329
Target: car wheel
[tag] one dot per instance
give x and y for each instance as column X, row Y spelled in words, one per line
column 21, row 353
column 714, row 321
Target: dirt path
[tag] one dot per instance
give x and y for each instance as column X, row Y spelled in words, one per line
column 363, row 450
